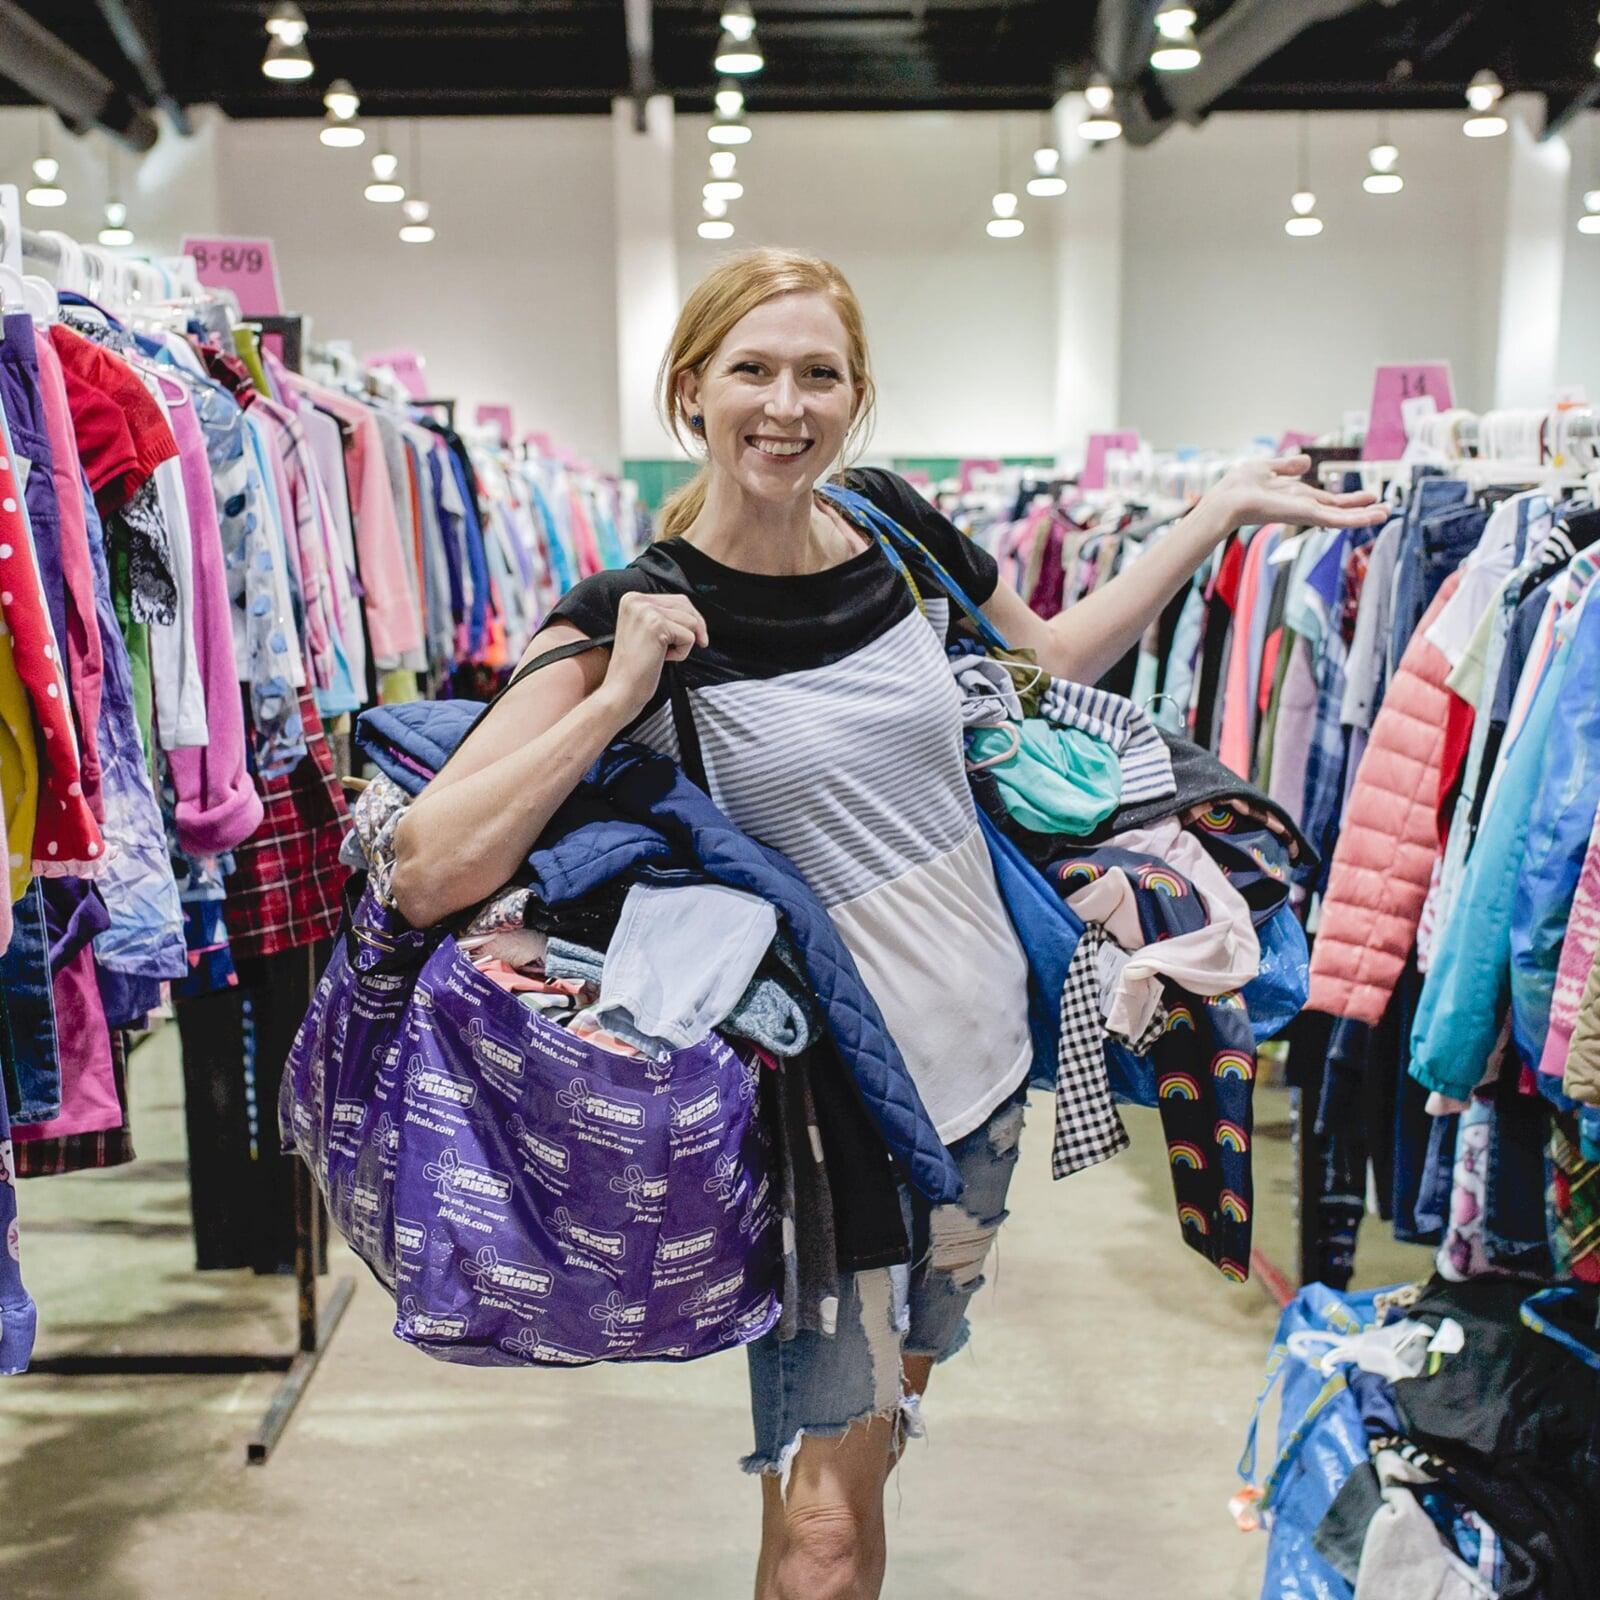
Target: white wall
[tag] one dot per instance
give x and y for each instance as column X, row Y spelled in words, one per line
column 170, row 191
column 1230, row 328
column 961, row 326
column 512, row 303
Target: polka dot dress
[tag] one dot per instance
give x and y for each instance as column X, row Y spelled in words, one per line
column 66, row 838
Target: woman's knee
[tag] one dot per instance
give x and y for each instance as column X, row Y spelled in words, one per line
column 832, row 1550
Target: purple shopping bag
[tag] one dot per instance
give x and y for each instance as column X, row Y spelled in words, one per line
column 526, row 1196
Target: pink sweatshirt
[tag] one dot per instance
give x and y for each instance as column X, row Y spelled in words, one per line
column 218, row 806
column 393, row 623
column 85, row 660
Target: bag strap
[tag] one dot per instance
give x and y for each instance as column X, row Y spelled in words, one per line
column 891, row 536
column 690, row 758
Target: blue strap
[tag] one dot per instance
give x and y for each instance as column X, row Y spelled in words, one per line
column 1533, row 1316
column 891, row 536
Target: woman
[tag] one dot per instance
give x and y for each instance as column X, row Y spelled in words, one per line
column 830, row 729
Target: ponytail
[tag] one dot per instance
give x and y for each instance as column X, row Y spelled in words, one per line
column 681, row 507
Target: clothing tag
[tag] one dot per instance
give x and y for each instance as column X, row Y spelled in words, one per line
column 24, row 467
column 1449, row 1340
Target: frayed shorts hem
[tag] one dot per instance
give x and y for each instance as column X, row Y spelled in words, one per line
column 905, row 1415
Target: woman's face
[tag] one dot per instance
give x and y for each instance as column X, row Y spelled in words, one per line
column 777, row 397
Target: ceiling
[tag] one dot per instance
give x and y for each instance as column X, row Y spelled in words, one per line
column 476, row 57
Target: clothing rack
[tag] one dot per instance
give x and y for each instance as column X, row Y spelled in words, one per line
column 446, row 406
column 315, row 1326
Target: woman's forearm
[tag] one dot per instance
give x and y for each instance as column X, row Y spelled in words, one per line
column 456, row 845
column 1089, row 638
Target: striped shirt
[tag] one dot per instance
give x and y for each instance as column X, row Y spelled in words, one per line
column 830, row 728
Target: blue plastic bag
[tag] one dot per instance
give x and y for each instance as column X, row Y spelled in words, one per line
column 1321, row 1441
column 1278, row 993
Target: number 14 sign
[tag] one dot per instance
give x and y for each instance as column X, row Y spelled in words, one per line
column 245, row 266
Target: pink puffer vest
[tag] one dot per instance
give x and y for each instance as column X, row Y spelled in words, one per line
column 1388, row 841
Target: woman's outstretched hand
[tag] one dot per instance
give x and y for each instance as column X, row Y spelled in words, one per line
column 1275, row 490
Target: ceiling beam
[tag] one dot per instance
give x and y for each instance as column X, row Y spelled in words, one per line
column 57, row 76
column 134, row 29
column 1248, row 33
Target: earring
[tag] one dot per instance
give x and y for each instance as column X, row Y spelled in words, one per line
column 697, row 422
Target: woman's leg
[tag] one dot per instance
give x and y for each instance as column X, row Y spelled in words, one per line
column 822, row 1532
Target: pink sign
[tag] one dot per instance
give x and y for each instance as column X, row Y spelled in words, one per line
column 970, row 468
column 1391, row 389
column 406, row 365
column 245, row 266
column 1093, row 475
column 497, row 417
column 541, row 442
column 1292, row 443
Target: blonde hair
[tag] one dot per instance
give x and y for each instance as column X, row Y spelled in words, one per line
column 728, row 293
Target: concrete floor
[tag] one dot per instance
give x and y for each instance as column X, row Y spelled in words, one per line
column 1083, row 1447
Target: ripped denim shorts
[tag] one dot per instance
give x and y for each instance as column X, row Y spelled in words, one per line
column 817, row 1384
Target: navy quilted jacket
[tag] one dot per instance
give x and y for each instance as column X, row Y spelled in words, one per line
column 635, row 813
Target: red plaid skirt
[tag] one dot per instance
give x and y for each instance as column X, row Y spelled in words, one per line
column 286, row 889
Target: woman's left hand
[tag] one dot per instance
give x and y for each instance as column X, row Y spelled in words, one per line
column 1256, row 492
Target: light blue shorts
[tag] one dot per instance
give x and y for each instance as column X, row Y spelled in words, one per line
column 820, row 1384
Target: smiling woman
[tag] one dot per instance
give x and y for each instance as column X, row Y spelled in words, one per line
column 767, row 369
column 814, row 671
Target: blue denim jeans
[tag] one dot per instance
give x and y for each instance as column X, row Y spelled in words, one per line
column 30, row 1008
column 1413, row 571
column 820, row 1384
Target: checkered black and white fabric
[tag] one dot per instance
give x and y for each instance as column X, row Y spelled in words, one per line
column 1088, row 1128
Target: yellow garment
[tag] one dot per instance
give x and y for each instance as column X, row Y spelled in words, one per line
column 244, row 341
column 19, row 770
column 398, row 686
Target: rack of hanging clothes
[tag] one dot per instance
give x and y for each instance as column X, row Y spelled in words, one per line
column 1422, row 700
column 215, row 558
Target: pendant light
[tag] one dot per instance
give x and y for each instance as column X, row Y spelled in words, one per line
column 738, row 19
column 45, row 192
column 723, row 163
column 722, row 189
column 728, row 130
column 715, row 209
column 738, row 58
column 287, row 60
column 416, row 229
column 1305, row 223
column 385, row 189
column 1101, row 124
column 340, row 131
column 729, row 98
column 715, row 228
column 1046, row 183
column 1483, row 95
column 116, row 231
column 1381, row 176
column 1005, row 223
column 1176, row 49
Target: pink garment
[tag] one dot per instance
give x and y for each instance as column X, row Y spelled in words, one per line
column 583, row 539
column 1216, row 959
column 85, row 660
column 1383, row 862
column 306, row 547
column 393, row 621
column 218, row 806
column 89, row 1102
column 1238, row 707
column 1577, row 957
